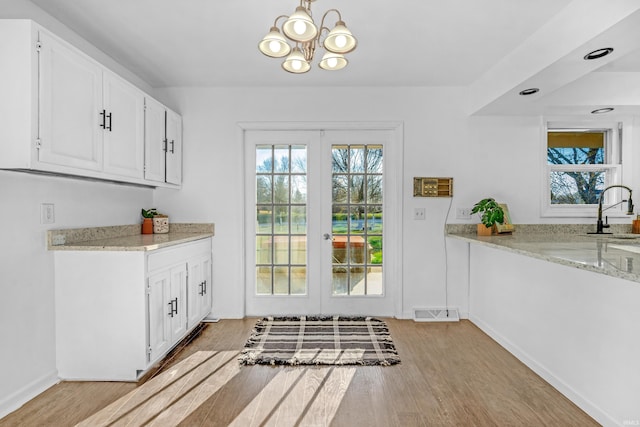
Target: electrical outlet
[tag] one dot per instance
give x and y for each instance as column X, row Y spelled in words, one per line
column 463, row 213
column 419, row 213
column 47, row 213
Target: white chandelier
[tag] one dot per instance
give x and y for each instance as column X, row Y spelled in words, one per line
column 300, row 29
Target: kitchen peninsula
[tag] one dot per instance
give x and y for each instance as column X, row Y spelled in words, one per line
column 567, row 304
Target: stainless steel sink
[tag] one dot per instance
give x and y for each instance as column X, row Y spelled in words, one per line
column 629, row 236
column 628, row 248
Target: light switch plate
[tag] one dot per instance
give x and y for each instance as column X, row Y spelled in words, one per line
column 463, row 213
column 47, row 213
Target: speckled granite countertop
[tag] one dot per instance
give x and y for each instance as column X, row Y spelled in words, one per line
column 124, row 237
column 616, row 255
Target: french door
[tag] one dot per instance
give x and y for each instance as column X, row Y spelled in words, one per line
column 317, row 222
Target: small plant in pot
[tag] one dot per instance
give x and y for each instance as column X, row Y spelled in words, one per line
column 147, row 220
column 491, row 214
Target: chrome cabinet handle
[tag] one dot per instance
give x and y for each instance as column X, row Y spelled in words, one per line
column 326, row 236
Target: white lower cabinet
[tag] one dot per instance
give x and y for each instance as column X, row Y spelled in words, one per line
column 119, row 312
column 199, row 288
column 168, row 309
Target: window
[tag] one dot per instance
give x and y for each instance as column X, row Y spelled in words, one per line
column 581, row 161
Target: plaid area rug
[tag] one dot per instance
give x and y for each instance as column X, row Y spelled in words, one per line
column 320, row 340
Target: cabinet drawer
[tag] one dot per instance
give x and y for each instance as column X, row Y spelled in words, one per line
column 163, row 258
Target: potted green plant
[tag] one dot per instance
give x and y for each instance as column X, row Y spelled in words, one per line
column 491, row 213
column 147, row 220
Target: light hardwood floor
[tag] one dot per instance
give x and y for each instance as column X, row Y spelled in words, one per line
column 451, row 374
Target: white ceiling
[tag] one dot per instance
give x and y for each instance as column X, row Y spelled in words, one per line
column 492, row 46
column 214, row 42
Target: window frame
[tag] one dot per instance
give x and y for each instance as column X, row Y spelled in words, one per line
column 615, row 173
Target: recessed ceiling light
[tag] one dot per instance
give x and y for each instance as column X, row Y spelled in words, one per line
column 602, row 110
column 598, row 53
column 529, row 91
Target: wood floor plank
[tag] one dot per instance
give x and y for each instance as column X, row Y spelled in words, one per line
column 451, row 374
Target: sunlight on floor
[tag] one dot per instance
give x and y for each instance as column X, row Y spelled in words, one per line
column 295, row 396
column 298, row 396
column 172, row 396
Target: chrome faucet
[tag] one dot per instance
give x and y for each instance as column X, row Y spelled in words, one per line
column 599, row 224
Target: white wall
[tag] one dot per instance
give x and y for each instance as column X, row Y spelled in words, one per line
column 27, row 362
column 487, row 156
column 435, row 143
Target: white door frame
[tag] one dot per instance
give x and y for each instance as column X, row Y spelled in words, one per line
column 394, row 156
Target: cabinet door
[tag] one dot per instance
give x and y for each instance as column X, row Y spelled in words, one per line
column 154, row 141
column 159, row 311
column 70, row 105
column 177, row 295
column 199, row 289
column 174, row 148
column 124, row 127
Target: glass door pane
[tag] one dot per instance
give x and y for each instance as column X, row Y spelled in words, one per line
column 357, row 219
column 281, row 220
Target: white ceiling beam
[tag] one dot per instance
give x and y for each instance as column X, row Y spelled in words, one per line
column 552, row 56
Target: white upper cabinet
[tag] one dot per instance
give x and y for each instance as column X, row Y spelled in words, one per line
column 163, row 144
column 174, row 148
column 123, row 127
column 70, row 101
column 155, row 141
column 65, row 113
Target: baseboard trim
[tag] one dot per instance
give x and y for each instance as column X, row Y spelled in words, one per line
column 23, row 395
column 585, row 404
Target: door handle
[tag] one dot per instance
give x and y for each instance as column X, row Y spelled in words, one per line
column 326, row 236
column 109, row 127
column 172, row 143
column 103, row 113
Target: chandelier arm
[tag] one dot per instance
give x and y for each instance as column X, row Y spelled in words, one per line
column 275, row 22
column 325, row 15
column 322, row 27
